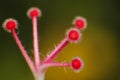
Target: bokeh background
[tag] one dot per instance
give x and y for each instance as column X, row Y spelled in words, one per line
column 99, row 47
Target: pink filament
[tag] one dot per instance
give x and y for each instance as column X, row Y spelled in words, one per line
column 24, row 53
column 35, row 42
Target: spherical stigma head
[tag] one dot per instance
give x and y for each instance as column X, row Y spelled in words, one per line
column 34, row 12
column 10, row 24
column 73, row 35
column 80, row 23
column 76, row 64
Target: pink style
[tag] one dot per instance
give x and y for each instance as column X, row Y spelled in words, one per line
column 38, row 67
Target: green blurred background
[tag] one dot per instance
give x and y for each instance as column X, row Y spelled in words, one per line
column 99, row 47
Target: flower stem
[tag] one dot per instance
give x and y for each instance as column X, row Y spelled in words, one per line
column 40, row 74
